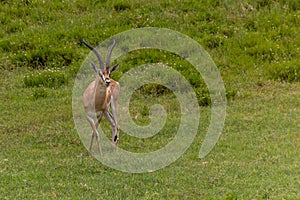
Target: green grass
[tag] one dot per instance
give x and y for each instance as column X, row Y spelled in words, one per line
column 255, row 45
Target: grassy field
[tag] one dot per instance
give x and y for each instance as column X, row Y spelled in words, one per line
column 255, row 45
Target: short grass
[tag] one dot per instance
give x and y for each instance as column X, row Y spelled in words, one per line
column 255, row 45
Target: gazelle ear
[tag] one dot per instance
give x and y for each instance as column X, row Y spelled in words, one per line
column 113, row 68
column 93, row 67
column 95, row 70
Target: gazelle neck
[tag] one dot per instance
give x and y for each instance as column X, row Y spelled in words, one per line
column 102, row 92
column 100, row 84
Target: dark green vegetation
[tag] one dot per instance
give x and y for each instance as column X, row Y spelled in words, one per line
column 256, row 46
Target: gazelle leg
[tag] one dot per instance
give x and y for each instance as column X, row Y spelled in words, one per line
column 99, row 118
column 113, row 104
column 115, row 136
column 94, row 133
column 113, row 126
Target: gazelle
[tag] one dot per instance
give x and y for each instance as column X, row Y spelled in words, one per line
column 100, row 94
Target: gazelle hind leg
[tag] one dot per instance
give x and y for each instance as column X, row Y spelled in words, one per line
column 94, row 133
column 99, row 118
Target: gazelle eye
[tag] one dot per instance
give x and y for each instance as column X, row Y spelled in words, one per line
column 101, row 76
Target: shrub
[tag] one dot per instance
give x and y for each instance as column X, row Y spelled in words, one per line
column 121, row 6
column 231, row 94
column 45, row 58
column 39, row 93
column 286, row 71
column 213, row 41
column 182, row 66
column 51, row 79
column 154, row 90
column 203, row 96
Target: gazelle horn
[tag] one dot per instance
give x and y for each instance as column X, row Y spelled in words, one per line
column 109, row 53
column 101, row 63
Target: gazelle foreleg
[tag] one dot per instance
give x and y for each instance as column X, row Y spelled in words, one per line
column 113, row 104
column 109, row 117
column 95, row 132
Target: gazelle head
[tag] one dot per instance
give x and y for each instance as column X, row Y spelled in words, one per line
column 104, row 71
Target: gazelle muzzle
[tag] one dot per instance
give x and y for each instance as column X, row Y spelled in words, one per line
column 107, row 81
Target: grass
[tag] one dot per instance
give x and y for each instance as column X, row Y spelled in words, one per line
column 255, row 45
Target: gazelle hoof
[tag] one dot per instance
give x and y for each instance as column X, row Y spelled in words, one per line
column 116, row 139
